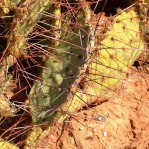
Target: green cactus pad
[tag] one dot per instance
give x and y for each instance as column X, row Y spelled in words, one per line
column 60, row 71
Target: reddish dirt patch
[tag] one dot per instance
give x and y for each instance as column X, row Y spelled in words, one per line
column 119, row 123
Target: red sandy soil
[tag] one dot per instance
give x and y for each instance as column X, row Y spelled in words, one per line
column 119, row 123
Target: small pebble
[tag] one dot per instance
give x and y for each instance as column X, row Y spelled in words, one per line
column 105, row 133
column 100, row 118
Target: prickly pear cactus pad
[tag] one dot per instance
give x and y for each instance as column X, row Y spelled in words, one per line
column 59, row 72
column 25, row 24
column 116, row 53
